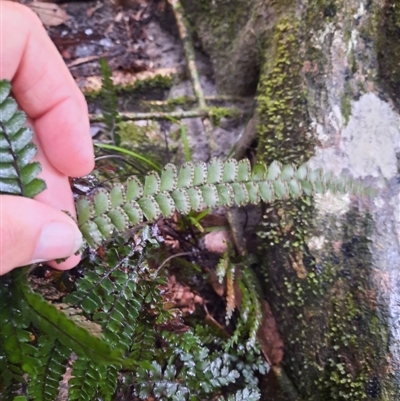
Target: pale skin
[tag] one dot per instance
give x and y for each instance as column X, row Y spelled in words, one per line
column 38, row 230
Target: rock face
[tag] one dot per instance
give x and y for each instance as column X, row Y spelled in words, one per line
column 328, row 89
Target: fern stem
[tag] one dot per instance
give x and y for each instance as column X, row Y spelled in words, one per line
column 129, row 153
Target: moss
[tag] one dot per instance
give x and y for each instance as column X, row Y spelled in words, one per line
column 217, row 113
column 325, row 305
column 283, row 125
column 345, row 106
column 138, row 87
column 333, row 335
column 388, row 48
column 145, row 140
column 144, row 85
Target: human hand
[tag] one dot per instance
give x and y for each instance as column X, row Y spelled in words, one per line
column 38, row 230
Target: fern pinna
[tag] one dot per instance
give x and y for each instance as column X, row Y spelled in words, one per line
column 114, row 325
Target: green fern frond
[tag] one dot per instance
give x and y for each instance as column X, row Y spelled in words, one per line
column 91, row 381
column 108, row 296
column 109, row 384
column 69, row 332
column 52, row 357
column 195, row 187
column 17, row 349
column 255, row 316
column 118, row 294
column 250, row 310
column 143, row 341
column 18, row 174
column 110, row 102
column 85, row 379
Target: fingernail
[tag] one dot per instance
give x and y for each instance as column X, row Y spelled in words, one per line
column 57, row 240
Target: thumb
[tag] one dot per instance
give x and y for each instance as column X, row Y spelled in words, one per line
column 32, row 232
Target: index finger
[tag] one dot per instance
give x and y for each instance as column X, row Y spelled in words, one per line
column 45, row 90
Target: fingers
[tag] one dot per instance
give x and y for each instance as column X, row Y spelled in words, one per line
column 45, row 90
column 38, row 230
column 58, row 195
column 32, row 232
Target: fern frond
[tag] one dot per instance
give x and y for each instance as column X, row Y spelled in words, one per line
column 119, row 293
column 109, row 384
column 16, row 340
column 110, row 101
column 244, row 395
column 195, row 187
column 161, row 384
column 143, row 342
column 255, row 316
column 52, row 359
column 230, row 291
column 251, row 312
column 85, row 379
column 107, row 295
column 90, row 381
column 51, row 320
column 18, row 174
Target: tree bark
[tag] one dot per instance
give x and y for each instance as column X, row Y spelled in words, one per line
column 327, row 79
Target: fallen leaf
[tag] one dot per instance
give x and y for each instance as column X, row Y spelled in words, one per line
column 90, row 11
column 83, row 60
column 182, row 296
column 215, row 284
column 49, row 13
column 269, row 337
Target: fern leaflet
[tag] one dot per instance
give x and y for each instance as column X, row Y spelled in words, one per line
column 52, row 359
column 18, row 175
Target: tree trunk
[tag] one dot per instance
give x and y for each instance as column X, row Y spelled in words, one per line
column 327, row 81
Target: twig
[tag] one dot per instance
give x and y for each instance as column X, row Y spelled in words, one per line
column 192, row 99
column 155, row 115
column 84, row 60
column 177, row 255
column 183, row 28
column 188, row 49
